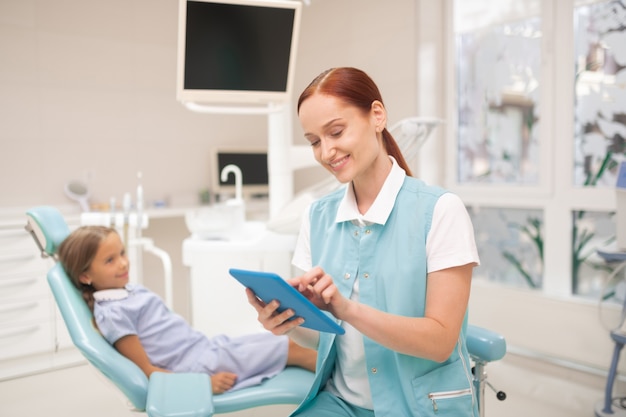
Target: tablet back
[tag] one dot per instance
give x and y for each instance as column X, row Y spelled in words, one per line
column 269, row 286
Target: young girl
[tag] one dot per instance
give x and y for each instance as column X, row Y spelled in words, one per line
column 142, row 328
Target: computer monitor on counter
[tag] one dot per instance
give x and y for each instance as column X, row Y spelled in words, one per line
column 253, row 165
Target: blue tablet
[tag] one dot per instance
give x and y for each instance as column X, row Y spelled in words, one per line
column 269, row 286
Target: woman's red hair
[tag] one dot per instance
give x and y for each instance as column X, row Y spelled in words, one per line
column 355, row 88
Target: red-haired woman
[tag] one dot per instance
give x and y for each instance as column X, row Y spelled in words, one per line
column 390, row 257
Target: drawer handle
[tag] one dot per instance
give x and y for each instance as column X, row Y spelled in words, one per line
column 18, row 307
column 18, row 332
column 18, row 282
column 17, row 258
column 13, row 233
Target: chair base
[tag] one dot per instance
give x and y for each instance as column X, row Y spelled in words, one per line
column 615, row 412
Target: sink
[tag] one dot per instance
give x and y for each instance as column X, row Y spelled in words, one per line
column 223, row 222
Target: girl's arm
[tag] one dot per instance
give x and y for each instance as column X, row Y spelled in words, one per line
column 131, row 347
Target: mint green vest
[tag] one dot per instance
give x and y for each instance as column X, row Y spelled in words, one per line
column 390, row 262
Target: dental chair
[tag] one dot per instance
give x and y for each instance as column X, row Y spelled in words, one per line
column 189, row 394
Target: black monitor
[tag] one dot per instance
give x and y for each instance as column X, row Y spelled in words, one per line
column 253, row 165
column 237, row 51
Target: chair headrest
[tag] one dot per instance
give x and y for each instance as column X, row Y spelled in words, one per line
column 48, row 227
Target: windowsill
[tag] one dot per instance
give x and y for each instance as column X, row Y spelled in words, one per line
column 567, row 327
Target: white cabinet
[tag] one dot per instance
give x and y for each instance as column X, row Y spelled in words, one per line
column 218, row 301
column 32, row 334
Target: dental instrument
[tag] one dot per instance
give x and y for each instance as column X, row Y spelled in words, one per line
column 126, row 207
column 112, row 213
column 78, row 191
column 139, row 204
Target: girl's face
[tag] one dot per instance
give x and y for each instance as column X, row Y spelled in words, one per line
column 109, row 268
column 345, row 141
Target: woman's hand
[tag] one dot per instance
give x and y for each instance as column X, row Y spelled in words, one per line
column 319, row 288
column 278, row 323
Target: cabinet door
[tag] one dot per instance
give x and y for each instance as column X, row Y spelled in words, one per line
column 24, row 339
column 26, row 325
column 218, row 301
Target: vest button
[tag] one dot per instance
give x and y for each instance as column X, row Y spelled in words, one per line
column 368, row 231
column 374, row 370
column 346, row 275
column 366, row 275
column 356, row 233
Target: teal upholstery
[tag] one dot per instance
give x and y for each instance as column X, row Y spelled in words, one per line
column 48, row 227
column 288, row 387
column 78, row 319
column 181, row 395
column 47, row 224
column 485, row 345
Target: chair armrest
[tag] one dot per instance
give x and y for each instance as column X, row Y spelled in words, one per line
column 485, row 345
column 179, row 395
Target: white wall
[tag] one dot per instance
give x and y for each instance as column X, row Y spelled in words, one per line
column 87, row 91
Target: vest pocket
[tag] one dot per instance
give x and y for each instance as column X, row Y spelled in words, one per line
column 445, row 392
column 445, row 400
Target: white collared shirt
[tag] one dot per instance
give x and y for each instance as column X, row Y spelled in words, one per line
column 450, row 218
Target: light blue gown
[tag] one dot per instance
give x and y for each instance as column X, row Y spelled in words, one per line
column 172, row 344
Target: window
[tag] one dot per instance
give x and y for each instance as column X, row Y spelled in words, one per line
column 600, row 82
column 511, row 245
column 499, row 67
column 539, row 103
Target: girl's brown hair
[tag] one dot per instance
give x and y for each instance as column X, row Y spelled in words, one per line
column 77, row 252
column 355, row 88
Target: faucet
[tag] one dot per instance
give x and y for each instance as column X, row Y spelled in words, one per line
column 236, row 171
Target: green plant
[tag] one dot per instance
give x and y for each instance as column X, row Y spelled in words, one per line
column 532, row 229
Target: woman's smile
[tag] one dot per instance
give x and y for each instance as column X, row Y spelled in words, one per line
column 337, row 164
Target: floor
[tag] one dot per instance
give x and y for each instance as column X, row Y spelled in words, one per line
column 532, row 388
column 81, row 391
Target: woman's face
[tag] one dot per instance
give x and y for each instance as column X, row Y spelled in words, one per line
column 109, row 268
column 345, row 141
